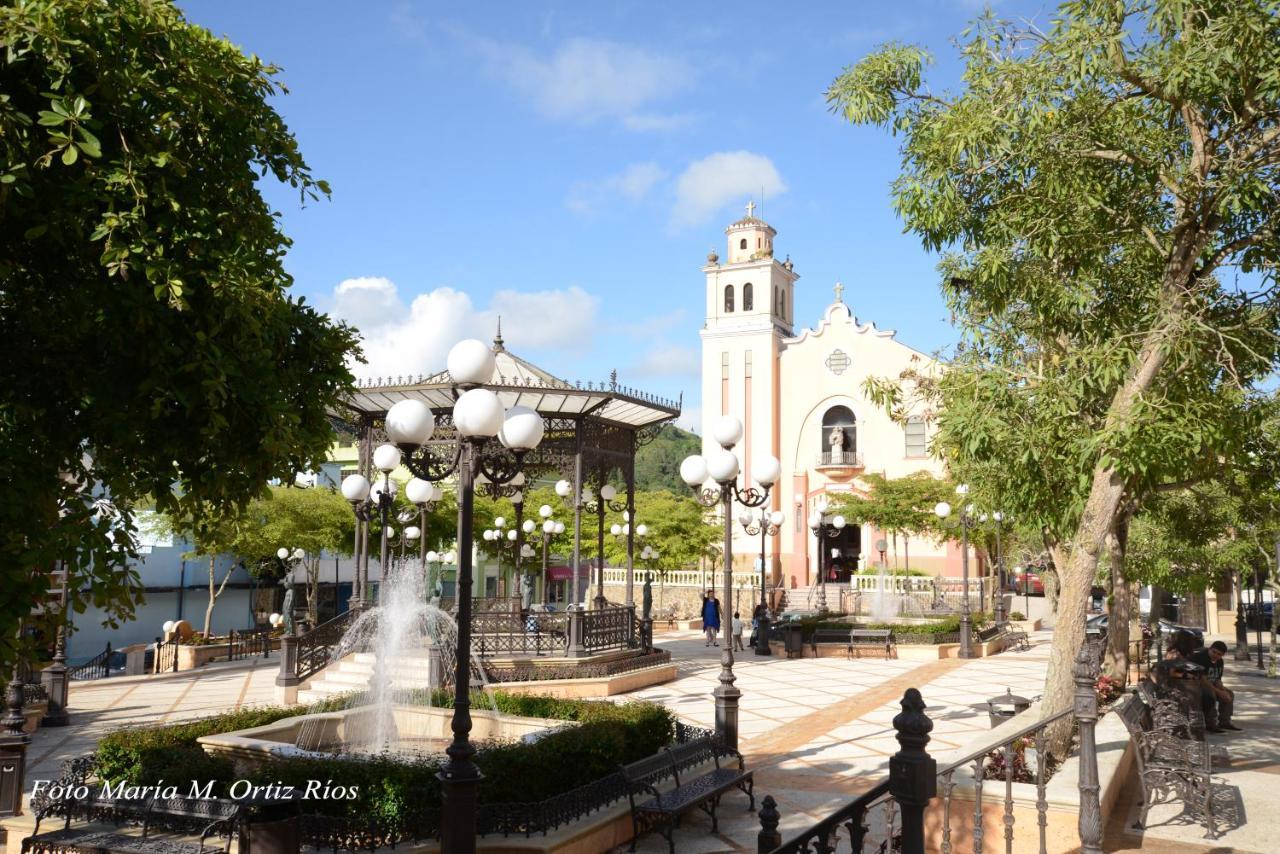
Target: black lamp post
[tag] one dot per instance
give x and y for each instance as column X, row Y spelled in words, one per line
column 1242, row 627
column 966, row 521
column 605, row 501
column 767, row 525
column 823, row 529
column 997, row 518
column 721, row 466
column 1257, row 604
column 478, row 417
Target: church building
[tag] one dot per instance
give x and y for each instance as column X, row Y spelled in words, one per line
column 799, row 394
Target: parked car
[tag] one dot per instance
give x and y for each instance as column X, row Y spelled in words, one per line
column 1096, row 625
column 1028, row 581
column 1169, row 629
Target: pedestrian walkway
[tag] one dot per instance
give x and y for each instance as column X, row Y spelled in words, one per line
column 818, row 732
column 101, row 706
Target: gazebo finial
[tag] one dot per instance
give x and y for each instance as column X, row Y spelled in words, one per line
column 497, row 339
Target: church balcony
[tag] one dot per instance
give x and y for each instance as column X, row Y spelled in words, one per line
column 839, row 462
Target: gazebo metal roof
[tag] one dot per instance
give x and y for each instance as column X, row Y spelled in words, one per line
column 519, row 382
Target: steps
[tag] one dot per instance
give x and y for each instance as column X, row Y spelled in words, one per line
column 805, row 598
column 355, row 672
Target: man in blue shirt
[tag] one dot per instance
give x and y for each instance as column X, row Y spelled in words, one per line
column 1216, row 700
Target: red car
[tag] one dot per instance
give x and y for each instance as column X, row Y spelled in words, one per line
column 1029, row 581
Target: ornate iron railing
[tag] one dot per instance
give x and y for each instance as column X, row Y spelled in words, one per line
column 852, row 459
column 592, row 670
column 98, row 667
column 496, row 634
column 245, row 643
column 315, row 648
column 890, row 816
column 611, row 627
column 166, row 657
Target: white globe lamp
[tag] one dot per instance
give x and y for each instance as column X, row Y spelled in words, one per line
column 545, row 511
column 722, row 465
column 410, row 422
column 608, row 492
column 420, row 491
column 355, row 487
column 386, row 458
column 767, row 470
column 942, row 509
column 282, row 553
column 563, row 488
column 529, row 526
column 726, row 430
column 471, row 362
column 548, row 527
column 693, row 470
column 478, row 414
column 522, row 430
column 642, row 530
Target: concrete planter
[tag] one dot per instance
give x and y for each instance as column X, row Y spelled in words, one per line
column 191, row 656
column 677, row 625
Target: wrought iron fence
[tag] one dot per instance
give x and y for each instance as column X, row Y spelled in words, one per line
column 245, row 643
column 611, row 627
column 166, row 657
column 495, row 633
column 98, row 667
column 839, row 458
column 315, row 648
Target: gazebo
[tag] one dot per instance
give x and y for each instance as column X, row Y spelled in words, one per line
column 592, row 431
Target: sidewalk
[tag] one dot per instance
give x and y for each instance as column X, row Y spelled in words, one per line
column 104, row 705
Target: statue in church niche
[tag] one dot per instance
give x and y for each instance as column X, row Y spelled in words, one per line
column 836, row 441
column 526, row 591
column 646, row 597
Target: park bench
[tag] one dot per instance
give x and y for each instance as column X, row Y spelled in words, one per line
column 663, row 810
column 1171, row 713
column 215, row 820
column 876, row 639
column 824, row 635
column 1169, row 767
column 1011, row 637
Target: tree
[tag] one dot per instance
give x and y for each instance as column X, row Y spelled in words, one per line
column 152, row 340
column 211, row 536
column 658, row 462
column 898, row 506
column 1092, row 182
column 314, row 520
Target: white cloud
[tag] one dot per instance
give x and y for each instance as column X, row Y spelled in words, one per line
column 632, row 184
column 690, row 419
column 668, row 360
column 586, row 80
column 415, row 339
column 707, row 185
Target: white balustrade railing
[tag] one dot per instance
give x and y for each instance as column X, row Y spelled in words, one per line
column 912, row 584
column 682, row 577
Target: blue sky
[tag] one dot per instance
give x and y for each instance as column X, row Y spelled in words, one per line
column 569, row 165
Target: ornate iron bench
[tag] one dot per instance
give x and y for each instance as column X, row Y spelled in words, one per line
column 1011, row 637
column 1171, row 713
column 663, row 810
column 216, row 821
column 1170, row 768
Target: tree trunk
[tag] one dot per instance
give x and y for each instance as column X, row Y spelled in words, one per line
column 1157, row 605
column 1117, row 660
column 213, row 596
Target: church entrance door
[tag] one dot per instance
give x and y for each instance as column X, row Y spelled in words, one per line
column 841, row 554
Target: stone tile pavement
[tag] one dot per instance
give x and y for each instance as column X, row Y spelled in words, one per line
column 104, row 705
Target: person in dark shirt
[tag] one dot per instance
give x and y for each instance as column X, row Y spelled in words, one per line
column 1216, row 700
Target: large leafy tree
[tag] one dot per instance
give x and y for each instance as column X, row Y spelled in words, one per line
column 1091, row 184
column 151, row 341
column 901, row 507
column 314, row 520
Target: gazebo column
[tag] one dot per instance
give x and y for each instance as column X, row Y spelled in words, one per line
column 630, row 469
column 577, row 513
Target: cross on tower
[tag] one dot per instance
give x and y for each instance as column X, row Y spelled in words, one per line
column 839, row 289
column 751, row 206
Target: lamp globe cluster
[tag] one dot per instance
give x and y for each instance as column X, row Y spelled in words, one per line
column 721, row 464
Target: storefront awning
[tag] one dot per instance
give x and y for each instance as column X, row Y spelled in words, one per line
column 564, row 573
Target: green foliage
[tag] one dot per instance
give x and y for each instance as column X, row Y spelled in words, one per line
column 138, row 248
column 899, row 506
column 658, row 463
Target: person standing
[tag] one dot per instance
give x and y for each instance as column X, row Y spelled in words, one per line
column 1216, row 701
column 736, row 625
column 711, row 618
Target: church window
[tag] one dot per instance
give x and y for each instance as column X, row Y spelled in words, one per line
column 917, row 445
column 728, row 298
column 839, row 435
column 748, row 297
column 742, row 244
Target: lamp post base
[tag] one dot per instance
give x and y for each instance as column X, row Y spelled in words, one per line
column 727, row 697
column 966, row 638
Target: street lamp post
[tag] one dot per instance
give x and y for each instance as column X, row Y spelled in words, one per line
column 1257, row 604
column 478, row 417
column 966, row 521
column 722, row 467
column 822, row 528
column 767, row 525
column 1242, row 628
column 998, row 520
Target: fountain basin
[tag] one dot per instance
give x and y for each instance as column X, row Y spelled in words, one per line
column 420, row 730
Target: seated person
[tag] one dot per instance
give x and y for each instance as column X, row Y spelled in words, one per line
column 1216, row 700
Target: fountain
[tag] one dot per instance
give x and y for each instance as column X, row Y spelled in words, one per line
column 885, row 602
column 411, row 645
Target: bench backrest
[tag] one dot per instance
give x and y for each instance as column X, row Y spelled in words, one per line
column 645, row 773
column 876, row 634
column 692, row 753
column 1134, row 714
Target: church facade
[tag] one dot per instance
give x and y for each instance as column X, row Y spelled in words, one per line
column 800, row 396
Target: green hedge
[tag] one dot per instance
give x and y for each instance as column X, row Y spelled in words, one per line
column 944, row 626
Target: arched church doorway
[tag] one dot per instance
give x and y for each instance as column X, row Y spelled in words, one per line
column 840, row 554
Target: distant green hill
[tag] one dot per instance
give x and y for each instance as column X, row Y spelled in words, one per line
column 658, row 463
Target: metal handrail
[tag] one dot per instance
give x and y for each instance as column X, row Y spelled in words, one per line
column 314, row 647
column 850, row 816
column 98, row 667
column 1021, row 733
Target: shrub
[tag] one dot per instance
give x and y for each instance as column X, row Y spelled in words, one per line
column 1017, row 615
